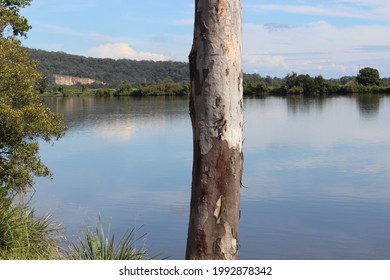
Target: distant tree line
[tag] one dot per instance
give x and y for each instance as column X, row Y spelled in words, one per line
column 150, row 78
column 166, row 87
column 257, row 86
column 367, row 81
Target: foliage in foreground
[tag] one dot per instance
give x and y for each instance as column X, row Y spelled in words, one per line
column 23, row 236
column 11, row 19
column 99, row 245
column 24, row 119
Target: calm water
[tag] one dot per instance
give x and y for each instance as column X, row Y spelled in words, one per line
column 317, row 174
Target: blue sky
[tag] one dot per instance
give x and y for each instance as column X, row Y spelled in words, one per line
column 332, row 38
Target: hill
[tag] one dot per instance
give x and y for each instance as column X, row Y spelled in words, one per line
column 172, row 78
column 108, row 71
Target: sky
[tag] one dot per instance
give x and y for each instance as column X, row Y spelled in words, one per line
column 332, row 38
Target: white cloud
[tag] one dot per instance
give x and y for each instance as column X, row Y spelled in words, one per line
column 123, row 50
column 360, row 9
column 369, row 3
column 318, row 10
column 265, row 61
column 316, row 48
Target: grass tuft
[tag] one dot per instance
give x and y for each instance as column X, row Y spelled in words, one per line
column 99, row 245
column 23, row 236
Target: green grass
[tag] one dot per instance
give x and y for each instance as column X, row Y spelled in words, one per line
column 101, row 245
column 23, row 236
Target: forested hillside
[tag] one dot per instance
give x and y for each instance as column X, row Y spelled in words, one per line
column 110, row 71
column 143, row 78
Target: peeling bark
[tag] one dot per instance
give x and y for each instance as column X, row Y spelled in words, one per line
column 217, row 121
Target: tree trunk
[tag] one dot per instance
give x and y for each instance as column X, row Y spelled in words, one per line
column 217, row 121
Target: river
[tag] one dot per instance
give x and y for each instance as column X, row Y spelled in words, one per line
column 316, row 174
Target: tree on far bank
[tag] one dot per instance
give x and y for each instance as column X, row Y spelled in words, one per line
column 368, row 77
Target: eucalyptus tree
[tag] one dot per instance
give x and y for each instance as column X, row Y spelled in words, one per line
column 216, row 107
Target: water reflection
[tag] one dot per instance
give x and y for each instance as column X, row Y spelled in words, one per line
column 80, row 110
column 369, row 104
column 316, row 172
column 300, row 104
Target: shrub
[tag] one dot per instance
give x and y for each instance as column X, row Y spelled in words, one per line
column 26, row 237
column 98, row 245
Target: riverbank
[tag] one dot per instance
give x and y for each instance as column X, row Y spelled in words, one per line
column 253, row 86
column 249, row 91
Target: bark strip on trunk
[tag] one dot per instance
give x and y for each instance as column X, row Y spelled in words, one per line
column 216, row 107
